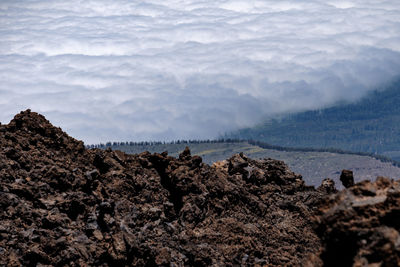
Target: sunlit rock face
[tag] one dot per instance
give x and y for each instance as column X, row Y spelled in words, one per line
column 131, row 70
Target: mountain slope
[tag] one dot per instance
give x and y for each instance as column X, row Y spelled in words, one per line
column 370, row 125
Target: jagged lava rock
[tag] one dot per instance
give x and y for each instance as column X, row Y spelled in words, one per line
column 64, row 205
column 347, row 178
column 360, row 226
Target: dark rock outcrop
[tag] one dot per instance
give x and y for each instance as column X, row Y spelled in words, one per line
column 347, row 178
column 64, row 205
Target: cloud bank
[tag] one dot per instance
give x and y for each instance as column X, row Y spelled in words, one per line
column 162, row 70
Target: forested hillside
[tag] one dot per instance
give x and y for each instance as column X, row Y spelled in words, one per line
column 370, row 125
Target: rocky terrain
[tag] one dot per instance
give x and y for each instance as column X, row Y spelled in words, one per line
column 312, row 165
column 64, row 205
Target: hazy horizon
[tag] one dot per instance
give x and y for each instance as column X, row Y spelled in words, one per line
column 144, row 70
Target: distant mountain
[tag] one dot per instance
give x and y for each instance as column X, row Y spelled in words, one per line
column 370, row 125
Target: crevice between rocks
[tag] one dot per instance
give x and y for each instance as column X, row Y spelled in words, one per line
column 175, row 196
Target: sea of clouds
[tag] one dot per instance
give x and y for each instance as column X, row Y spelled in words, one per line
column 162, row 70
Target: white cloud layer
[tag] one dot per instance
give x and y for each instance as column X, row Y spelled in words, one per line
column 140, row 70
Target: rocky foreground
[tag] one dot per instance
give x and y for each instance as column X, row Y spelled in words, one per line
column 64, row 205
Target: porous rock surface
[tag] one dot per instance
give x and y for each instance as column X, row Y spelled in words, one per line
column 64, row 205
column 360, row 226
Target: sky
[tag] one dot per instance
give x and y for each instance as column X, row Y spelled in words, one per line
column 183, row 69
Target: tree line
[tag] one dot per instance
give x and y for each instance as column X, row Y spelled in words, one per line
column 155, row 143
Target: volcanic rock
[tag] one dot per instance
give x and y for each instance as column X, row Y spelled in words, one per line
column 64, row 205
column 328, row 186
column 347, row 178
column 360, row 226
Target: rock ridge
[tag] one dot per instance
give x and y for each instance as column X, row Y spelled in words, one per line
column 64, row 205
